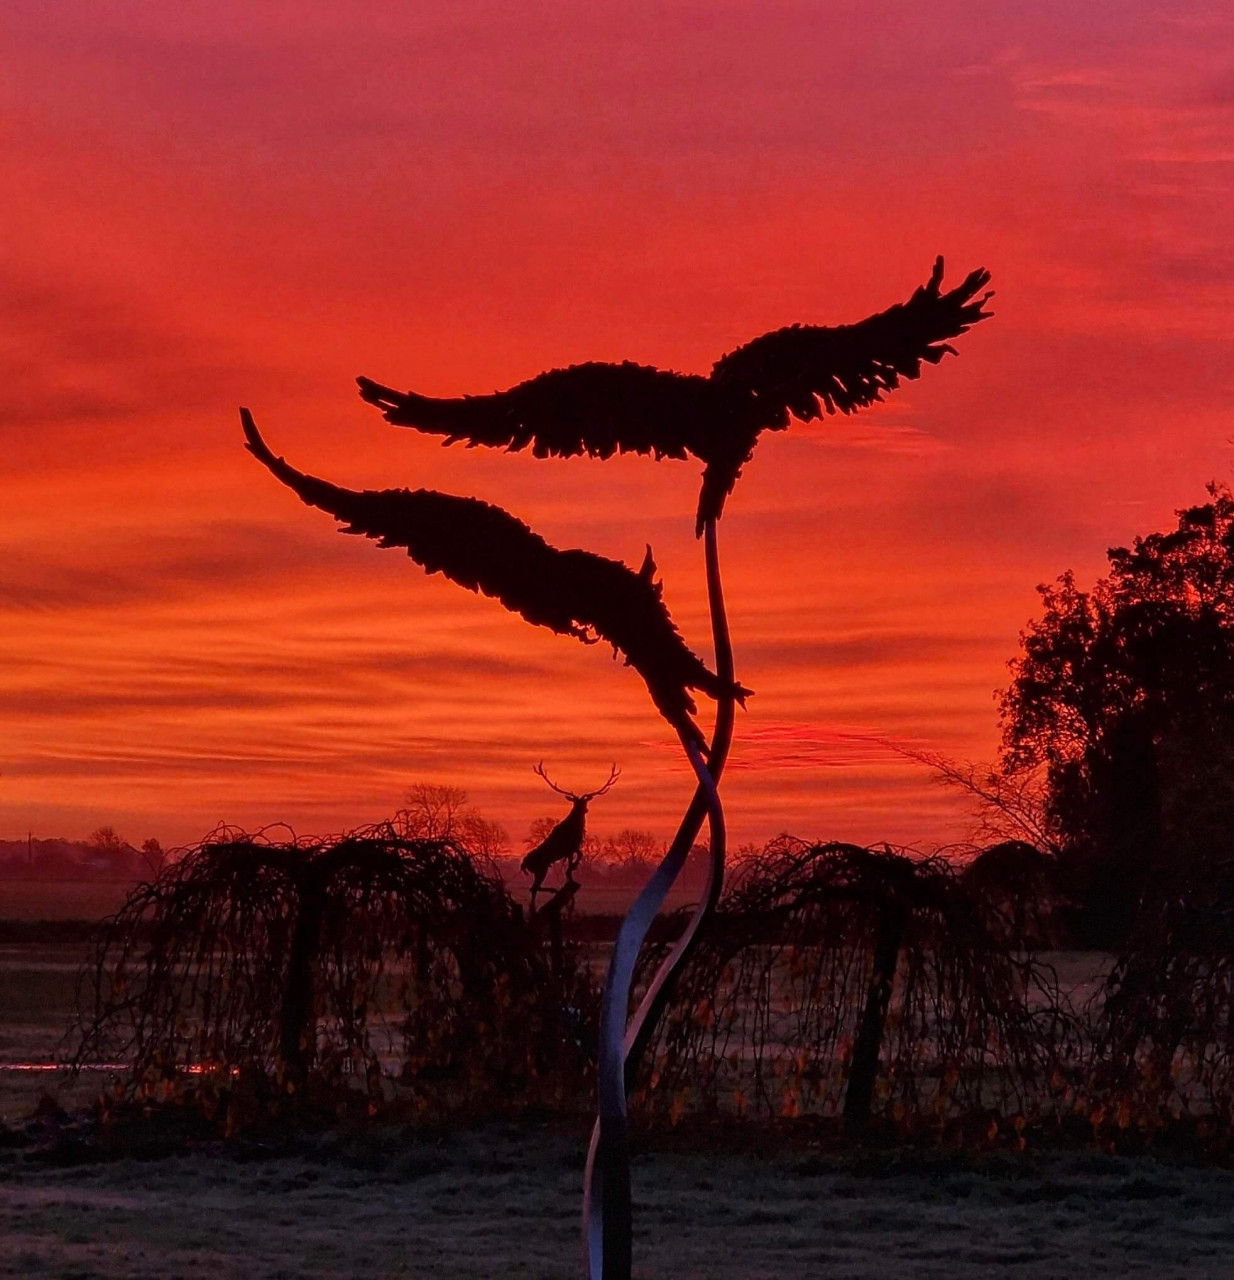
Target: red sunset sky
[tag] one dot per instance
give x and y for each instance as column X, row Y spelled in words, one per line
column 209, row 205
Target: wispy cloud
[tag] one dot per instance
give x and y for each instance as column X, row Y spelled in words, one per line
column 78, row 352
column 781, row 745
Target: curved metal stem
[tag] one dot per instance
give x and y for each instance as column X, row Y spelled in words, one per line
column 606, row 1193
column 647, row 1017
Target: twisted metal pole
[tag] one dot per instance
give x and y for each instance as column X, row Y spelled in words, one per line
column 607, row 1221
column 659, row 992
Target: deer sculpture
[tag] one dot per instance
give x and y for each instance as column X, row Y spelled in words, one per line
column 564, row 843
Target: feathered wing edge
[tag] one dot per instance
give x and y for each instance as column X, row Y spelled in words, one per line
column 595, row 408
column 804, row 371
column 801, row 371
column 484, row 548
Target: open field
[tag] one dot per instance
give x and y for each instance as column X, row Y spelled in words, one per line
column 94, row 899
column 501, row 1202
column 37, row 990
column 61, row 899
column 37, row 1006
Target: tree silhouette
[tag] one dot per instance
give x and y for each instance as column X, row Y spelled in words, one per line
column 435, row 812
column 867, row 983
column 275, row 960
column 1123, row 697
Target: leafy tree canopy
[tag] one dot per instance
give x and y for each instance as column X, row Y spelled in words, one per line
column 1123, row 698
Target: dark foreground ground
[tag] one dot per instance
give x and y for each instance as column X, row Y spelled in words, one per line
column 504, row 1202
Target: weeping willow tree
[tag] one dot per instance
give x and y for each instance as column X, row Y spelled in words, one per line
column 1163, row 1048
column 308, row 966
column 803, row 372
column 853, row 983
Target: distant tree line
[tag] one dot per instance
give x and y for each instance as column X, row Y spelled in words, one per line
column 106, row 855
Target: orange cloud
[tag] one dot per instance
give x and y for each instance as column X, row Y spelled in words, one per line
column 208, row 209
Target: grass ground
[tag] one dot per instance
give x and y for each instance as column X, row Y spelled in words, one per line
column 502, row 1202
column 60, row 899
column 37, row 1002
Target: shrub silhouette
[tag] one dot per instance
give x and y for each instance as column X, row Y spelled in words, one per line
column 1018, row 884
column 1163, row 1046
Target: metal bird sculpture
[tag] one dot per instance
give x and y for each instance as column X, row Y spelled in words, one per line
column 600, row 409
column 799, row 372
column 564, row 843
column 486, row 549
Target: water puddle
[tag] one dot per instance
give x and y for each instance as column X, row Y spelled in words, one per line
column 60, row 1066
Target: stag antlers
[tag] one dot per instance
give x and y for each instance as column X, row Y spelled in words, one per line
column 613, row 775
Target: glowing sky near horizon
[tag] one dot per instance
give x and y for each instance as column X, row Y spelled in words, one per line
column 210, row 205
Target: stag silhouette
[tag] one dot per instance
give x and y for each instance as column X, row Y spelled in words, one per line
column 564, row 843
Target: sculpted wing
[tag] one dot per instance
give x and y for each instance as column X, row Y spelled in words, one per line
column 597, row 409
column 805, row 370
column 801, row 371
column 484, row 548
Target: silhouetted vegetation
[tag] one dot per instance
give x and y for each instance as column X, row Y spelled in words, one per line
column 297, row 973
column 843, row 981
column 390, row 975
column 1015, row 884
column 1164, row 1021
column 1123, row 700
column 105, row 857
